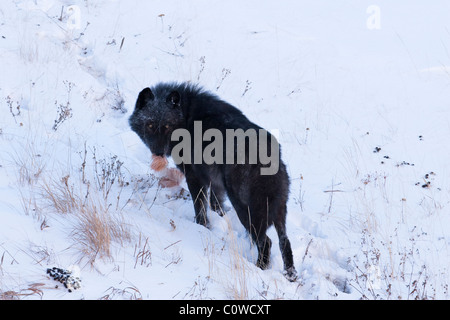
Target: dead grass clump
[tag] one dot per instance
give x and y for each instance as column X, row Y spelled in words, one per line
column 128, row 293
column 95, row 231
column 95, row 227
column 34, row 289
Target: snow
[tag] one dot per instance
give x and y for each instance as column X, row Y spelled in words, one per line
column 363, row 222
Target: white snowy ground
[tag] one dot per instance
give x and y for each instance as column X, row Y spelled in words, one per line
column 359, row 90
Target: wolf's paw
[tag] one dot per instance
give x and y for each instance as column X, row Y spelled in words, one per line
column 221, row 210
column 290, row 274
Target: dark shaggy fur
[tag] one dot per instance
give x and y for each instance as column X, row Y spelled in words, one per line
column 259, row 200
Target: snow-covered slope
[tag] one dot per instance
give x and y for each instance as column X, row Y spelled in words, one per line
column 360, row 94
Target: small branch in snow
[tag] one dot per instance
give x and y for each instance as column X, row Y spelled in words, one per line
column 172, row 244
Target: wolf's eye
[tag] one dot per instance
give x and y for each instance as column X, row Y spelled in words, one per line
column 150, row 126
column 167, row 126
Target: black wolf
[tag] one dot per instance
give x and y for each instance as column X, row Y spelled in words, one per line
column 259, row 200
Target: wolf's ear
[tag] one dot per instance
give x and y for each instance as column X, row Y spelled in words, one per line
column 143, row 97
column 174, row 98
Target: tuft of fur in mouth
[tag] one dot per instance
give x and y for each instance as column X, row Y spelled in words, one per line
column 171, row 177
column 158, row 163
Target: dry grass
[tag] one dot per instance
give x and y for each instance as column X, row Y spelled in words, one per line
column 34, row 289
column 60, row 196
column 142, row 253
column 239, row 271
column 29, row 162
column 95, row 231
column 81, row 199
column 238, row 268
column 95, row 228
column 128, row 293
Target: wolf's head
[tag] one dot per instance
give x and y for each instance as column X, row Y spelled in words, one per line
column 156, row 115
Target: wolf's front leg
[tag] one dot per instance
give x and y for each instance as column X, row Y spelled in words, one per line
column 216, row 198
column 199, row 193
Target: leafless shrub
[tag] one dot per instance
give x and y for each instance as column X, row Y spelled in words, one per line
column 202, row 66
column 248, row 86
column 14, row 109
column 225, row 73
column 107, row 173
column 397, row 278
column 64, row 110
